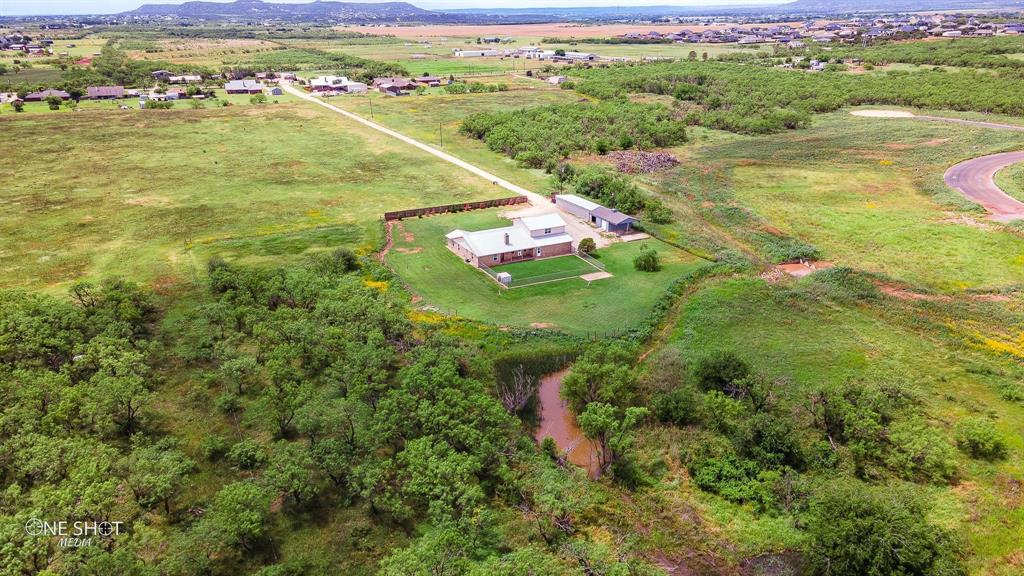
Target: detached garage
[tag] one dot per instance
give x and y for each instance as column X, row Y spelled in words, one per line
column 607, row 219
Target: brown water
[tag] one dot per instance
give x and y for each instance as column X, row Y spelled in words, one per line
column 558, row 422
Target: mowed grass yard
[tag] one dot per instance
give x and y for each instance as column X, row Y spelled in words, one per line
column 868, row 193
column 443, row 280
column 805, row 339
column 153, row 194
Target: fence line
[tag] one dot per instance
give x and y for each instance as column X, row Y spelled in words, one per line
column 544, row 278
column 460, row 207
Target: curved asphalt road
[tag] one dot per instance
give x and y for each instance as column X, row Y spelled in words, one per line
column 974, row 179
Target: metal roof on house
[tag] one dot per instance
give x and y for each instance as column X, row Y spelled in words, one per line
column 243, row 85
column 612, row 216
column 542, row 222
column 581, row 202
column 104, row 91
column 490, row 242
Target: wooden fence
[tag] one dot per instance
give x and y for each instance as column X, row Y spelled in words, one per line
column 461, row 207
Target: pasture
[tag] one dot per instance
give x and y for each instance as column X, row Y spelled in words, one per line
column 153, row 194
column 866, row 192
column 839, row 341
column 440, row 279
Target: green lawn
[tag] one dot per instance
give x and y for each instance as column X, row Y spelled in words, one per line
column 532, row 269
column 443, row 280
column 802, row 339
column 152, row 194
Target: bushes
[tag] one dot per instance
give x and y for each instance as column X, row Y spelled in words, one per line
column 720, row 371
column 734, row 479
column 920, row 452
column 680, row 407
column 474, row 87
column 647, row 260
column 586, row 246
column 542, row 135
column 979, row 438
column 856, row 530
column 752, row 99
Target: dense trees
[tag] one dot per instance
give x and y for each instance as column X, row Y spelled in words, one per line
column 750, row 98
column 539, row 137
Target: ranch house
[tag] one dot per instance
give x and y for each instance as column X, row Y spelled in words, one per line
column 607, row 219
column 527, row 238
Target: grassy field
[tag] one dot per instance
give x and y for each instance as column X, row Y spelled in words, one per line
column 435, row 119
column 153, row 194
column 839, row 342
column 866, row 192
column 443, row 280
column 1011, row 181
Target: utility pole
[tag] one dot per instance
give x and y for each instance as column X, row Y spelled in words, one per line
column 370, row 98
column 440, row 134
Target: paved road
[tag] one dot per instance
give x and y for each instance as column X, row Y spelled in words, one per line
column 974, row 179
column 536, row 199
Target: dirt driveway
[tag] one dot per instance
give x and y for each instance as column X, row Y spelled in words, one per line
column 576, row 228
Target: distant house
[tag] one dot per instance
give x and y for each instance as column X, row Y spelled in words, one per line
column 161, row 75
column 607, row 219
column 526, row 239
column 399, row 83
column 43, row 95
column 475, row 53
column 336, row 84
column 275, row 91
column 104, row 92
column 243, row 87
column 430, row 81
column 184, row 79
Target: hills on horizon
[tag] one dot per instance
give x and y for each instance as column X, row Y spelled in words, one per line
column 409, row 13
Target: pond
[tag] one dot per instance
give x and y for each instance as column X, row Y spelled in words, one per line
column 558, row 422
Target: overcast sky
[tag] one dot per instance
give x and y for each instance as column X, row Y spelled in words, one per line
column 23, row 7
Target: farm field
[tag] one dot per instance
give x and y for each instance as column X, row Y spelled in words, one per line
column 839, row 342
column 181, row 185
column 867, row 193
column 443, row 280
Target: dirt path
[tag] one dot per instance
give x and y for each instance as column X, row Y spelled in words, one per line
column 558, row 422
column 533, row 196
column 973, row 178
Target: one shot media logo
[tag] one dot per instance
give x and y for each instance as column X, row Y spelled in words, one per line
column 74, row 534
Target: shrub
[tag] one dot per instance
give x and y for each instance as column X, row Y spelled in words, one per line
column 772, row 441
column 258, row 99
column 18, row 106
column 857, row 530
column 720, row 370
column 647, row 260
column 213, row 447
column 228, row 403
column 919, row 452
column 734, row 479
column 247, row 454
column 979, row 438
column 586, row 246
column 53, row 102
column 680, row 407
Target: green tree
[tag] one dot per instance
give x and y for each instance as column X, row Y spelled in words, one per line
column 292, row 471
column 978, row 437
column 587, row 246
column 647, row 260
column 54, row 102
column 856, row 530
column 602, row 374
column 613, row 433
column 157, row 471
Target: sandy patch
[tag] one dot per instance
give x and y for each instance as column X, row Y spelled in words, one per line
column 596, row 276
column 803, row 268
column 936, row 141
column 541, row 325
column 635, row 236
column 965, row 220
column 883, row 113
column 415, row 250
column 898, row 146
column 148, row 201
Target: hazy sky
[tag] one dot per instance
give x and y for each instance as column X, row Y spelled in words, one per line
column 19, row 7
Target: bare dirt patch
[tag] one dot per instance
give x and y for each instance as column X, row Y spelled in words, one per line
column 415, row 250
column 883, row 113
column 596, row 276
column 148, row 201
column 966, row 220
column 541, row 325
column 805, row 267
column 936, row 141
